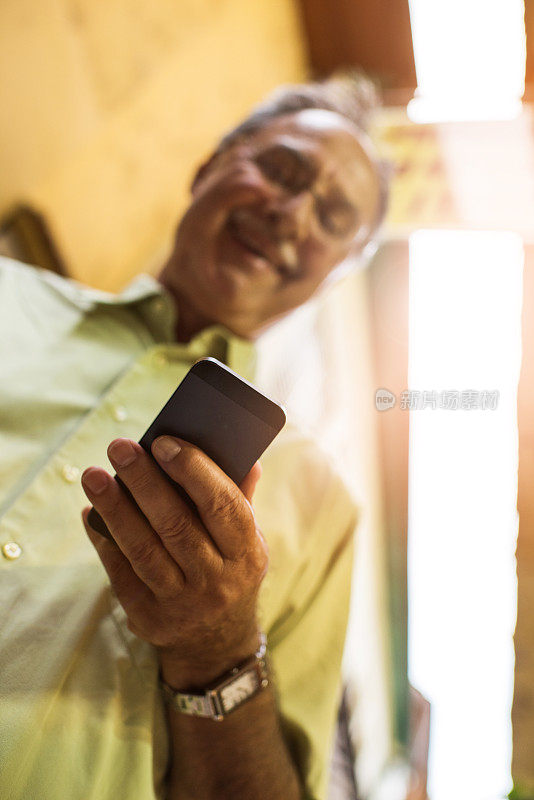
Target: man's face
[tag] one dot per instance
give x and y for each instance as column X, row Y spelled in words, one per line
column 271, row 217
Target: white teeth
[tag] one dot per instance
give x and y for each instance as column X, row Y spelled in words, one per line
column 288, row 254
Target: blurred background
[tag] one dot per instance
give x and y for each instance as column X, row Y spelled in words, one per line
column 423, row 355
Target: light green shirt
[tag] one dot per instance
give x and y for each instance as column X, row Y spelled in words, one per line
column 81, row 714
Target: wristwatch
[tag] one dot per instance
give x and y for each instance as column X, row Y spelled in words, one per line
column 231, row 690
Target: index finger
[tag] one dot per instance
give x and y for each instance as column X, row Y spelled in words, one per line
column 221, row 505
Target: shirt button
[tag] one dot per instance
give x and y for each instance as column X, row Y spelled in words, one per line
column 119, row 413
column 11, row 550
column 161, row 359
column 70, row 473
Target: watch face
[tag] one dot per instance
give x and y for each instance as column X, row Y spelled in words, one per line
column 239, row 689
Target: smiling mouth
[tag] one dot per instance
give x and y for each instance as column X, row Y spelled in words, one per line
column 248, row 241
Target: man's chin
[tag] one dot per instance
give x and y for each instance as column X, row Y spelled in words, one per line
column 235, row 285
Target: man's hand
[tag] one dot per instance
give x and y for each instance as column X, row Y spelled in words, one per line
column 188, row 581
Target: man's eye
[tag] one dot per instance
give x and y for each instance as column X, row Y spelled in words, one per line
column 339, row 219
column 285, row 169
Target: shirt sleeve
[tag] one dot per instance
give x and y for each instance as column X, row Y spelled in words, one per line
column 306, row 648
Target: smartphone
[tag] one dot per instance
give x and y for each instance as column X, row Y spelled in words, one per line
column 219, row 412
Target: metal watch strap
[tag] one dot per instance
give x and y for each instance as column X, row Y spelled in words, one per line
column 210, row 703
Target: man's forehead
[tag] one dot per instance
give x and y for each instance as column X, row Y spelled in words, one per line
column 313, row 123
column 321, row 121
column 338, row 139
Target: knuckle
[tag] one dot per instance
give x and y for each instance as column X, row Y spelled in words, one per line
column 263, row 566
column 140, row 483
column 171, row 524
column 176, row 530
column 224, row 596
column 170, row 585
column 225, row 504
column 257, row 558
column 143, row 551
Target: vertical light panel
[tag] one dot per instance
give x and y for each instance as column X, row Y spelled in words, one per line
column 465, row 308
column 469, row 58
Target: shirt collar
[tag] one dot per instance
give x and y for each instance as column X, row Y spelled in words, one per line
column 217, row 341
column 158, row 311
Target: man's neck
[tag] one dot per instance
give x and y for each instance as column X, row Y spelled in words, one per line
column 189, row 323
column 189, row 320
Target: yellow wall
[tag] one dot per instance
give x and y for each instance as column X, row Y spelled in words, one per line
column 107, row 105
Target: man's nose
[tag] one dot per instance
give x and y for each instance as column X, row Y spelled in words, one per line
column 289, row 216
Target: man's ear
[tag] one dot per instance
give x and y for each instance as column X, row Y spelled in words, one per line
column 202, row 171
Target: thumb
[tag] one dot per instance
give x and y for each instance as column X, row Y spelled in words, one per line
column 248, row 484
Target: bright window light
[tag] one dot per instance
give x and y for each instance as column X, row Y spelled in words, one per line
column 465, row 314
column 469, row 57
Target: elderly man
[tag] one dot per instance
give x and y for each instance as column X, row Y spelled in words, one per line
column 87, row 661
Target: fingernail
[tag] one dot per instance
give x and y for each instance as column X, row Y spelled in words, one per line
column 165, row 448
column 95, row 480
column 121, row 453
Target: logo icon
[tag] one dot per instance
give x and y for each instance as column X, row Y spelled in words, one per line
column 384, row 399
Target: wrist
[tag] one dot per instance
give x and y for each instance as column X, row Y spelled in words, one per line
column 187, row 674
column 231, row 689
